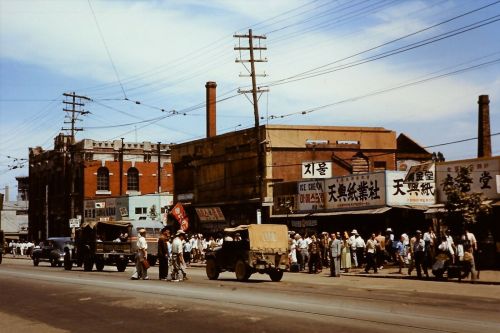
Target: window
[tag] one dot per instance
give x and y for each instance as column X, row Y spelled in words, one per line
column 133, row 179
column 141, row 210
column 103, row 179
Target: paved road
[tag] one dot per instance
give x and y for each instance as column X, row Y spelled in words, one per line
column 46, row 299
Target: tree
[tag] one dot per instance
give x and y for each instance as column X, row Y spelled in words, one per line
column 464, row 207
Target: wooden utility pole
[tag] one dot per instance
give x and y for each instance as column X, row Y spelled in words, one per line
column 255, row 91
column 76, row 109
column 159, row 166
column 121, row 167
column 251, row 48
column 76, row 105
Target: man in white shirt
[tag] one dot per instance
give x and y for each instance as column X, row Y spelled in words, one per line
column 472, row 239
column 352, row 241
column 142, row 254
column 177, row 256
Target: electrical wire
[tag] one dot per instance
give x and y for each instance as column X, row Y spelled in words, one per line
column 106, row 47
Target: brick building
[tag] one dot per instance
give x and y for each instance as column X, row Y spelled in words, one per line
column 229, row 179
column 62, row 178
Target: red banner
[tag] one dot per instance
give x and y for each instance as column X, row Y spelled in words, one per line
column 180, row 215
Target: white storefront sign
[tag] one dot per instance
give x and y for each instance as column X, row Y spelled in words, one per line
column 311, row 195
column 484, row 174
column 316, row 169
column 355, row 191
column 74, row 223
column 418, row 192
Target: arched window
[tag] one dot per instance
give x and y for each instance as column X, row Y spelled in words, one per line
column 133, row 179
column 103, row 179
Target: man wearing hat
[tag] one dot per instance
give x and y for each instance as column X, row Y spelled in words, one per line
column 419, row 253
column 142, row 254
column 178, row 263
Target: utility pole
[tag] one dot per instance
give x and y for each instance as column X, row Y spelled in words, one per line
column 76, row 109
column 251, row 48
column 121, row 168
column 159, row 167
column 75, row 103
column 255, row 91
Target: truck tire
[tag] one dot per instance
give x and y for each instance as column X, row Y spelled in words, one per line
column 88, row 263
column 242, row 271
column 68, row 264
column 276, row 275
column 211, row 269
column 99, row 264
column 121, row 265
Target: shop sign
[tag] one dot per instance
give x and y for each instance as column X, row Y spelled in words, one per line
column 210, row 214
column 484, row 173
column 311, row 195
column 316, row 169
column 304, row 223
column 285, row 204
column 419, row 191
column 355, row 191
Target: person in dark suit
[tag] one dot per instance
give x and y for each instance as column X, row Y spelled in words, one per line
column 163, row 254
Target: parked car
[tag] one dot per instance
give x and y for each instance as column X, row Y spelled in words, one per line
column 248, row 249
column 51, row 250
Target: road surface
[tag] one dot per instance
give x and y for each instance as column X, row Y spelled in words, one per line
column 47, row 299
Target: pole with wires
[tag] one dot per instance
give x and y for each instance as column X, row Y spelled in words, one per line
column 255, row 98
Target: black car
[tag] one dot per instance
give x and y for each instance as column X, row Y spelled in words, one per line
column 51, row 250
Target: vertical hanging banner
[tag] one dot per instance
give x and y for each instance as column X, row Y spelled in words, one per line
column 180, row 215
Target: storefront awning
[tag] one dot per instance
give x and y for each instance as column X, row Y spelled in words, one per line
column 423, row 208
column 380, row 210
column 291, row 216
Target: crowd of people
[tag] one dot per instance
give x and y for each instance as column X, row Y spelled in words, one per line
column 419, row 251
column 21, row 248
column 175, row 253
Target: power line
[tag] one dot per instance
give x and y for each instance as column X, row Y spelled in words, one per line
column 106, row 47
column 352, row 99
column 393, row 40
column 408, row 47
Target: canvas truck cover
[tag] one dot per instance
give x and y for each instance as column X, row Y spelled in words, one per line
column 268, row 238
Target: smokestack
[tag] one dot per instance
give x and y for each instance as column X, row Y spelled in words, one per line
column 211, row 109
column 484, row 135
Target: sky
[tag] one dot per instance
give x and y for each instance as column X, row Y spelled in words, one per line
column 412, row 66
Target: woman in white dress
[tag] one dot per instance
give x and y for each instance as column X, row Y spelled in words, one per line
column 345, row 258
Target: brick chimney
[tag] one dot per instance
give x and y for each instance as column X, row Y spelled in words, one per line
column 211, row 109
column 484, row 135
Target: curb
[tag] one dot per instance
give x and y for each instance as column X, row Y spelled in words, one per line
column 407, row 277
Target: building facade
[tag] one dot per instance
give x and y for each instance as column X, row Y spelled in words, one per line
column 61, row 179
column 249, row 180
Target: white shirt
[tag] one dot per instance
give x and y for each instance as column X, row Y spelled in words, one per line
column 360, row 242
column 141, row 243
column 177, row 246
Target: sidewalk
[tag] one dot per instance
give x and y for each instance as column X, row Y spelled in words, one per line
column 485, row 277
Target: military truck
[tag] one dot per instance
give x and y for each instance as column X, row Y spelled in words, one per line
column 111, row 243
column 248, row 249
